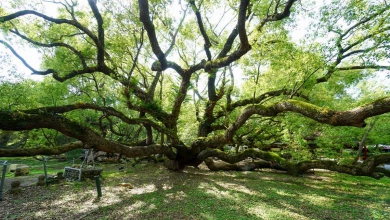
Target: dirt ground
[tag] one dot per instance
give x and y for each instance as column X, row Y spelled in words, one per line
column 150, row 191
column 25, row 181
column 78, row 200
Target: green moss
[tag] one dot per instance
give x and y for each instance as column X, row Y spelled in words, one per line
column 310, row 108
column 305, row 105
column 152, row 106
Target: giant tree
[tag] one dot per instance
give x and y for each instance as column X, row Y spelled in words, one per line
column 164, row 77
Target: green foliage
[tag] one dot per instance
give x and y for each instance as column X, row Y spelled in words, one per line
column 13, row 95
column 152, row 106
column 340, row 35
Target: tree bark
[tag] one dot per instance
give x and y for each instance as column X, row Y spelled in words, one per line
column 23, row 152
column 240, row 166
column 235, row 162
column 363, row 141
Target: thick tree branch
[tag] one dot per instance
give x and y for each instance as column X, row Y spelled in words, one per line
column 157, row 113
column 367, row 168
column 99, row 19
column 277, row 16
column 347, row 68
column 156, row 66
column 106, row 110
column 234, row 158
column 366, row 37
column 240, row 166
column 99, row 42
column 149, row 27
column 258, row 99
column 228, row 44
column 376, row 67
column 24, row 152
column 245, row 46
column 232, row 36
column 18, row 121
column 207, row 43
column 354, row 117
column 180, row 97
column 250, row 101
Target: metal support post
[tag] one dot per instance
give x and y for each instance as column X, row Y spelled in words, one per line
column 2, row 180
column 44, row 169
column 99, row 189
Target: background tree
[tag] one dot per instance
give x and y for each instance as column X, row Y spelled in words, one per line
column 136, row 79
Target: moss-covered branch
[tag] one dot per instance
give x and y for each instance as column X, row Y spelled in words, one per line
column 18, row 121
column 354, row 117
column 23, row 152
column 275, row 161
column 234, row 158
column 241, row 166
column 107, row 110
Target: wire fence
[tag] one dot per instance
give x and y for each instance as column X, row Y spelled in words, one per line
column 46, row 170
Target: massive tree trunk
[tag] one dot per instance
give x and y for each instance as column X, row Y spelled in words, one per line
column 199, row 150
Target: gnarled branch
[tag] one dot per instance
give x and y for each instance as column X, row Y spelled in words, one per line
column 354, row 117
column 149, row 27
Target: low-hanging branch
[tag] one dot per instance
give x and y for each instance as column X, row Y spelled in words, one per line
column 354, row 117
column 47, row 117
column 19, row 121
column 106, row 110
column 275, row 161
column 23, row 152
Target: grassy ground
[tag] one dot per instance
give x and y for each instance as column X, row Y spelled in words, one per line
column 36, row 166
column 201, row 194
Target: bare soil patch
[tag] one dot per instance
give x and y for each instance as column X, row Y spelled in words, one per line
column 25, row 181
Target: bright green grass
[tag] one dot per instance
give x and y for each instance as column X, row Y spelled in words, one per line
column 36, row 166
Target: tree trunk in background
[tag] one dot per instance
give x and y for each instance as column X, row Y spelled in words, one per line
column 363, row 141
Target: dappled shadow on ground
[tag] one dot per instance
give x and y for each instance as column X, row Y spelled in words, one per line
column 201, row 194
